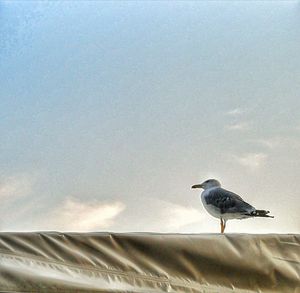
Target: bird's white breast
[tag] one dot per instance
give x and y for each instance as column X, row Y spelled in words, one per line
column 212, row 210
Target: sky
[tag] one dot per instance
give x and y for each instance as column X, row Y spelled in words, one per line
column 111, row 111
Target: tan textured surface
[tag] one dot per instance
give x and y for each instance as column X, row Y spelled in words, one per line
column 141, row 262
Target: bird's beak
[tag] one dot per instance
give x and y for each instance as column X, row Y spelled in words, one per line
column 197, row 186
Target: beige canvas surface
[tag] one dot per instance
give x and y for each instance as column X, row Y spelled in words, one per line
column 141, row 262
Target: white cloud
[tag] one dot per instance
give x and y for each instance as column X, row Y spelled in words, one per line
column 235, row 112
column 15, row 186
column 251, row 160
column 270, row 143
column 239, row 126
column 177, row 216
column 235, row 124
column 75, row 215
column 279, row 142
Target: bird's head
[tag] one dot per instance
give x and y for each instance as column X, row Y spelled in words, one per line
column 208, row 184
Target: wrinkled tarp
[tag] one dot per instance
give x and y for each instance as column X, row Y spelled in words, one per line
column 145, row 262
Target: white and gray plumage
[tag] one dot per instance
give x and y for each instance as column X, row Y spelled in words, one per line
column 226, row 205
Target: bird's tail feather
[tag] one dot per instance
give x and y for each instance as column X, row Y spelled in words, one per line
column 261, row 213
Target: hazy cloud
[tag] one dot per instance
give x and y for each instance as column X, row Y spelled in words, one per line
column 239, row 126
column 279, row 141
column 177, row 216
column 81, row 216
column 16, row 186
column 269, row 143
column 251, row 160
column 236, row 123
column 235, row 112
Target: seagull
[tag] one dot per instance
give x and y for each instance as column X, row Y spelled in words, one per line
column 226, row 205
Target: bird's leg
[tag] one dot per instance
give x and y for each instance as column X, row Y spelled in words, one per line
column 222, row 226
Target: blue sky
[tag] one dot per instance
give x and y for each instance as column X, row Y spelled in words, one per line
column 110, row 111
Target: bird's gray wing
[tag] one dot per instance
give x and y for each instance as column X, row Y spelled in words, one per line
column 227, row 201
